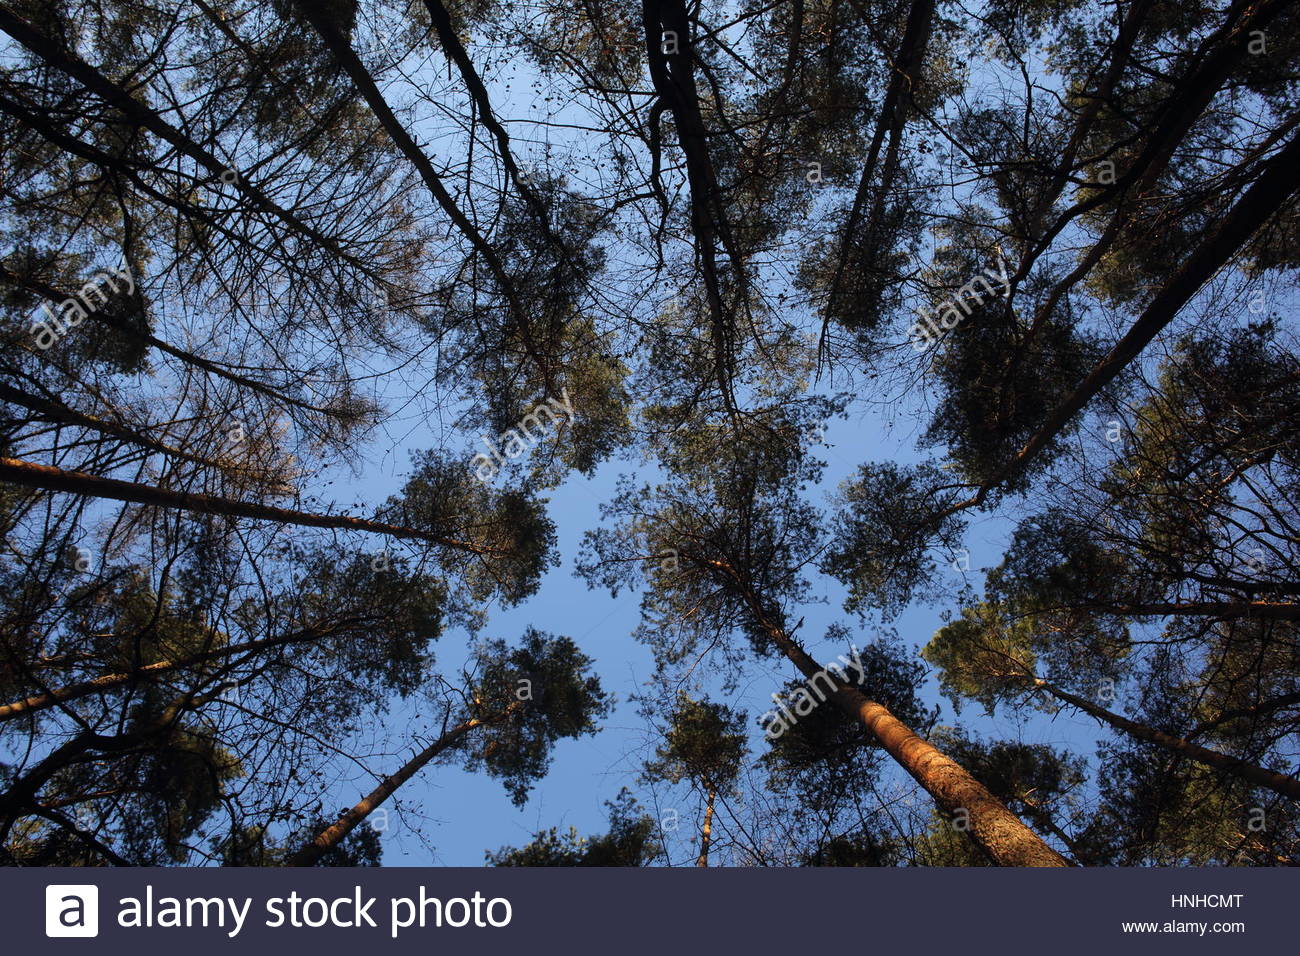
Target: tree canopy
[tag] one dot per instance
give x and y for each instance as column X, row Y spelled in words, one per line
column 314, row 313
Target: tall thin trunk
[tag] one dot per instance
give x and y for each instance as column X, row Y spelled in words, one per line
column 53, row 410
column 456, row 52
column 1274, row 185
column 1216, row 57
column 341, row 48
column 31, row 475
column 107, row 682
column 1270, row 779
column 672, row 74
column 332, row 835
column 892, row 119
column 1225, row 610
column 706, row 831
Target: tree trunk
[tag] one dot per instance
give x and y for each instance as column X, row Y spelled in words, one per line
column 1275, row 184
column 456, row 52
column 341, row 48
column 333, row 834
column 55, row 411
column 706, row 831
column 1270, row 779
column 672, row 74
column 1002, row 836
column 106, row 682
column 998, row 832
column 1225, row 610
column 45, row 477
column 892, row 119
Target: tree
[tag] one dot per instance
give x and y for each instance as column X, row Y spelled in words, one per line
column 257, row 252
column 703, row 744
column 523, row 700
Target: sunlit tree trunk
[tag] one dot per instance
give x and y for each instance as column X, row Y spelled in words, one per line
column 998, row 832
column 333, row 834
column 706, row 831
